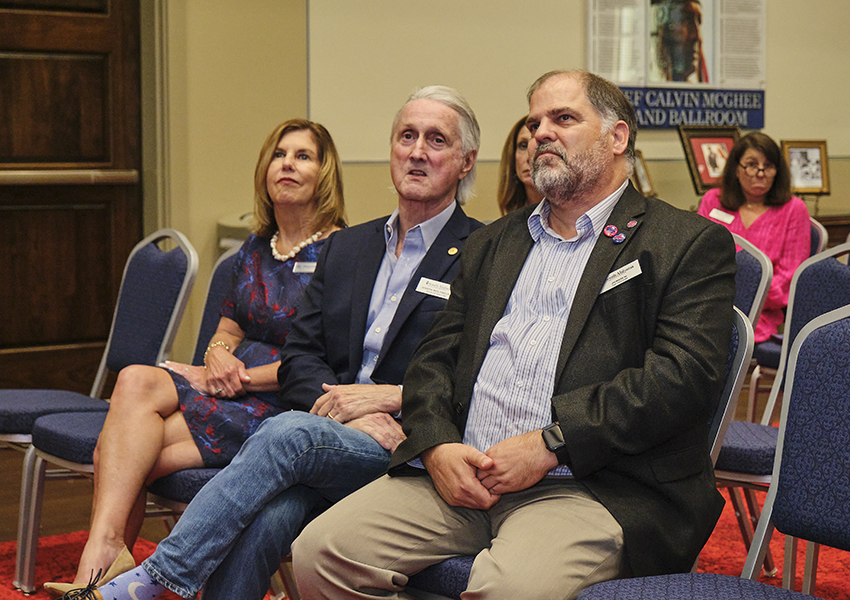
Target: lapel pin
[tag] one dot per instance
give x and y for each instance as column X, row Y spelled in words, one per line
column 631, row 224
column 619, row 238
column 610, row 230
column 452, row 251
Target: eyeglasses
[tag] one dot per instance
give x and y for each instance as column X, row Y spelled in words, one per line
column 752, row 169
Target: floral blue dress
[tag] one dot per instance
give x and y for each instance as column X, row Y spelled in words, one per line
column 263, row 300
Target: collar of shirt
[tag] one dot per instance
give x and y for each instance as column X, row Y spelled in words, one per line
column 591, row 221
column 430, row 229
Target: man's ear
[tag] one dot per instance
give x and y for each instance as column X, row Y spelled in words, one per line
column 621, row 137
column 468, row 163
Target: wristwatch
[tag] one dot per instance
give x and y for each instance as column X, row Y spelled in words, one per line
column 553, row 437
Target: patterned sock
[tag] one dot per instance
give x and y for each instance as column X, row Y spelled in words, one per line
column 132, row 585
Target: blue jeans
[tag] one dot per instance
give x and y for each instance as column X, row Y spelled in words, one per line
column 246, row 517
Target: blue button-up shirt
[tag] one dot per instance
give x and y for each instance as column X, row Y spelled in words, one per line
column 513, row 391
column 393, row 277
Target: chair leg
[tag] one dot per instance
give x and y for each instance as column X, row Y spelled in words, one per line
column 810, row 571
column 789, row 567
column 29, row 521
column 277, row 590
column 770, row 569
column 746, row 523
column 283, row 581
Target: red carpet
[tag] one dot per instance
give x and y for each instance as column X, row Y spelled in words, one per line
column 724, row 553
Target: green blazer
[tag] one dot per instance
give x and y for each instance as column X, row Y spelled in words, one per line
column 639, row 375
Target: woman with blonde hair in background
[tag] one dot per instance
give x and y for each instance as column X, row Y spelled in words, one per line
column 180, row 416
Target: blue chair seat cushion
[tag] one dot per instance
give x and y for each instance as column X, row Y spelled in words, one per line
column 686, row 586
column 447, row 578
column 69, row 436
column 767, row 353
column 748, row 448
column 20, row 408
column 182, row 486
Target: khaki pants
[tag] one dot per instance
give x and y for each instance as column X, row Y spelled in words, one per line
column 547, row 542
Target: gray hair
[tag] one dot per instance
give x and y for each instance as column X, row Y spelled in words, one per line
column 470, row 133
column 607, row 100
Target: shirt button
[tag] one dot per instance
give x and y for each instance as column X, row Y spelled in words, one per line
column 519, row 383
column 377, row 330
column 393, row 298
column 547, row 318
column 551, row 279
column 533, row 342
column 375, row 359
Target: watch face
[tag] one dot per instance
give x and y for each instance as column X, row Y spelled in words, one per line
column 553, row 437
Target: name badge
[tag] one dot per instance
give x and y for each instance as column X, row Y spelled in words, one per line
column 434, row 288
column 304, row 267
column 721, row 215
column 621, row 275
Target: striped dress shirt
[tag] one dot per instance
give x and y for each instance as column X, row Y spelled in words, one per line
column 513, row 391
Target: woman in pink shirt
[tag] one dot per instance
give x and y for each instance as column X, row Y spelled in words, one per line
column 755, row 202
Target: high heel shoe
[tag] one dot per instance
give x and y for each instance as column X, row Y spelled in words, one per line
column 123, row 563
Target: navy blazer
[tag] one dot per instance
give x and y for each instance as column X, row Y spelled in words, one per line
column 639, row 373
column 325, row 344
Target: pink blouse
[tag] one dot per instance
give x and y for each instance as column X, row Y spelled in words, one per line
column 784, row 234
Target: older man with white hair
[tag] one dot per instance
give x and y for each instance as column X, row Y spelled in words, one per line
column 376, row 289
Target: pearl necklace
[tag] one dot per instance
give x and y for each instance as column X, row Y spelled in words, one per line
column 295, row 249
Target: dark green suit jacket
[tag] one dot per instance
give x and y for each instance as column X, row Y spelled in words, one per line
column 639, row 373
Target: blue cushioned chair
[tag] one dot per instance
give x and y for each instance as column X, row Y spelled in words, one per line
column 752, row 280
column 766, row 354
column 154, row 290
column 809, row 490
column 446, row 580
column 820, row 284
column 20, row 408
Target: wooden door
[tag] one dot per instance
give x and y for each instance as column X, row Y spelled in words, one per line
column 70, row 195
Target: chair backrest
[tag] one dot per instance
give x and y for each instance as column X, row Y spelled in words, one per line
column 153, row 295
column 819, row 236
column 737, row 363
column 809, row 488
column 752, row 280
column 820, row 284
column 220, row 282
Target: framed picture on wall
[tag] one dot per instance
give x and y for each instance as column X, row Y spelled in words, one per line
column 706, row 149
column 641, row 177
column 808, row 164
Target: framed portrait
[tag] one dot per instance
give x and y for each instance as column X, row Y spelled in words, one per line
column 641, row 177
column 706, row 149
column 808, row 164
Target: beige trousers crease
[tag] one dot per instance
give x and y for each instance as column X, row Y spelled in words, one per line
column 547, row 542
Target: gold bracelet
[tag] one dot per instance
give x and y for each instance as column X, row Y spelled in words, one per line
column 213, row 345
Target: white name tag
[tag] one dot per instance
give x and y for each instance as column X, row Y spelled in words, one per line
column 434, row 288
column 304, row 267
column 621, row 275
column 721, row 215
